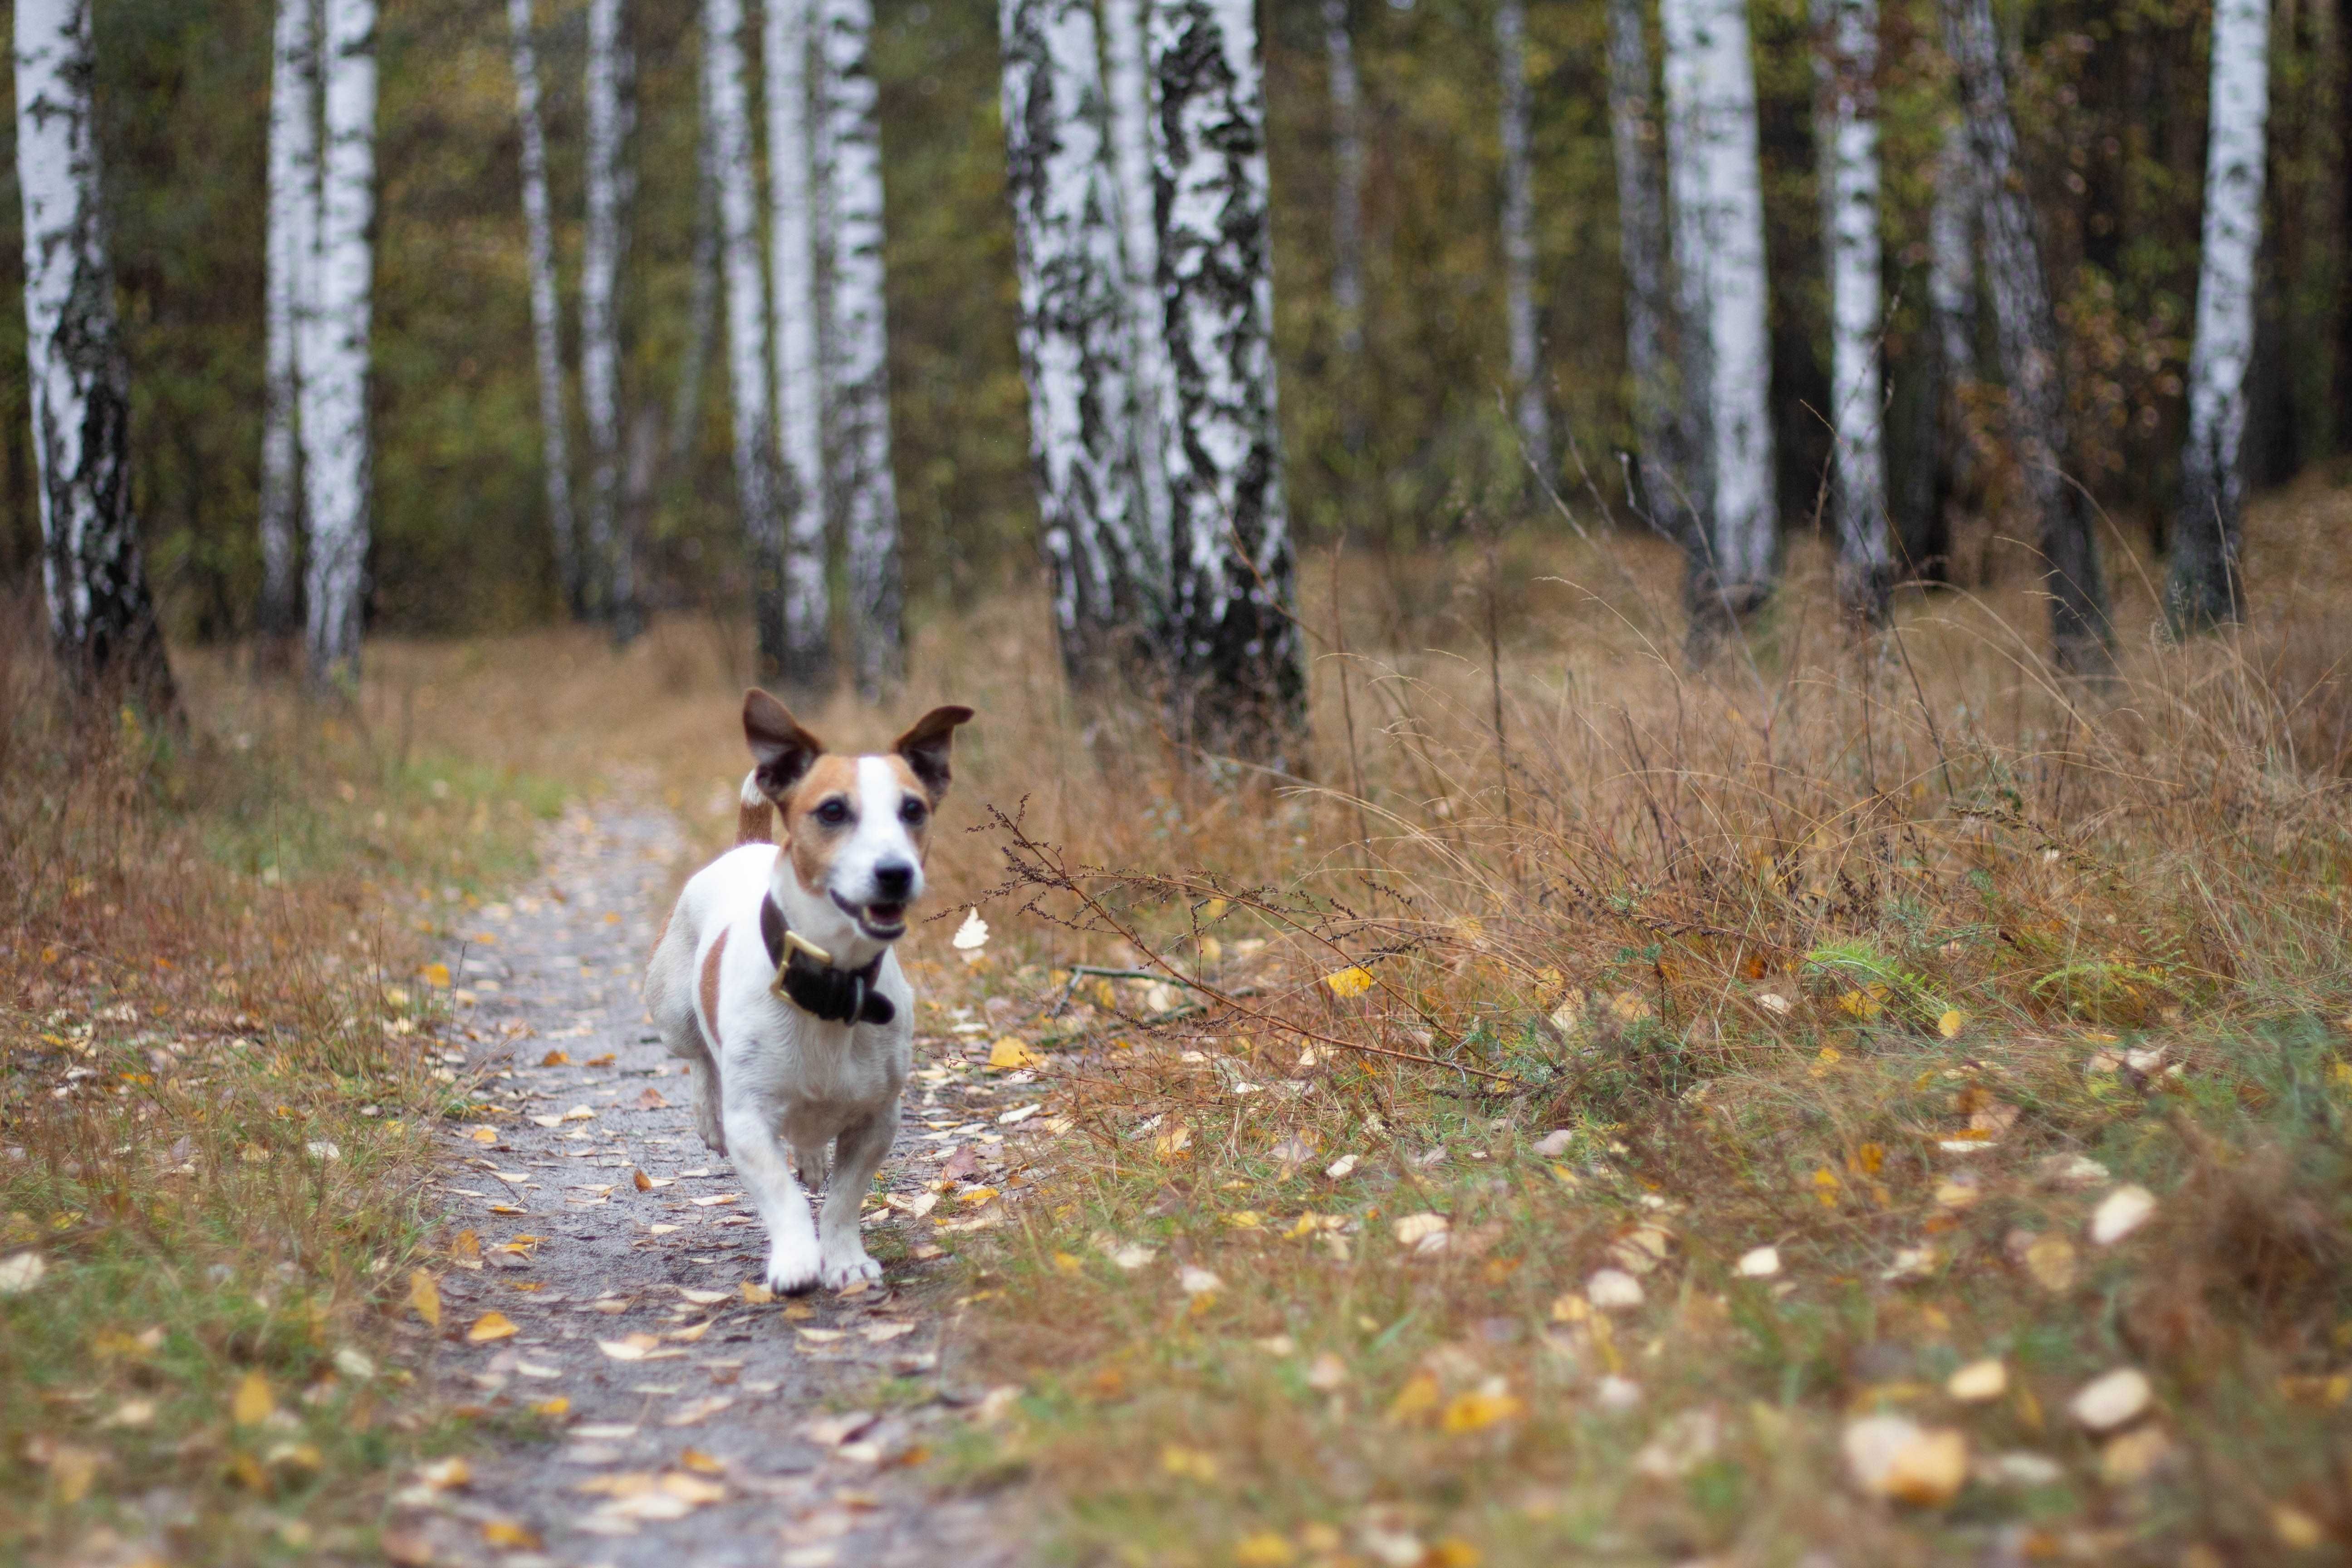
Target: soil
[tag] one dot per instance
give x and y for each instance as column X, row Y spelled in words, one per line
column 697, row 1425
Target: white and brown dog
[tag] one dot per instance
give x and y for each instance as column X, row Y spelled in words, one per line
column 775, row 979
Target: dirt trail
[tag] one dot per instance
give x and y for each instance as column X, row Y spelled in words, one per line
column 702, row 1429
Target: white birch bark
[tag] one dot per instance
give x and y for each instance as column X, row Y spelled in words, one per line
column 1848, row 69
column 336, row 456
column 1661, row 483
column 546, row 327
column 293, row 219
column 856, row 352
column 1077, row 336
column 1719, row 252
column 611, row 548
column 1128, row 83
column 1952, row 310
column 1519, row 230
column 101, row 616
column 2204, row 588
column 800, row 377
column 1346, row 188
column 1238, row 665
column 726, row 113
column 2027, row 329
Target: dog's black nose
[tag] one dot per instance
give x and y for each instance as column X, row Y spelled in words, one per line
column 894, row 880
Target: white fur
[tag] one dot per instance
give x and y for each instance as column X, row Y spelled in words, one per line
column 767, row 1074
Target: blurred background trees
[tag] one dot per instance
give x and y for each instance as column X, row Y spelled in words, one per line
column 1392, row 324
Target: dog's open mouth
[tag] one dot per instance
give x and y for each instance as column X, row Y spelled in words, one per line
column 882, row 921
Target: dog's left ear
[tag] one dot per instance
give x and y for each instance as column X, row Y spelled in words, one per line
column 925, row 746
column 782, row 750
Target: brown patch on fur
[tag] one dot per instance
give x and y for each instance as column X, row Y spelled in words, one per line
column 808, row 841
column 711, row 987
column 752, row 823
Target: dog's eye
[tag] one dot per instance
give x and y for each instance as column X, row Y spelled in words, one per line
column 912, row 811
column 833, row 813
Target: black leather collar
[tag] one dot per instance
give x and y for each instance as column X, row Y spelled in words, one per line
column 836, row 995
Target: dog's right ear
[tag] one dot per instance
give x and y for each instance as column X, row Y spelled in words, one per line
column 781, row 752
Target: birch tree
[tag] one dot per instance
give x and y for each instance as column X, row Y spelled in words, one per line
column 1519, row 241
column 1660, row 479
column 2026, row 327
column 857, row 390
column 612, row 544
column 1240, row 679
column 800, row 378
column 2204, row 590
column 1347, row 216
column 333, row 352
column 1719, row 210
column 1077, row 336
column 101, row 615
column 292, row 236
column 546, row 328
column 1952, row 341
column 1128, row 84
column 727, row 115
column 1848, row 69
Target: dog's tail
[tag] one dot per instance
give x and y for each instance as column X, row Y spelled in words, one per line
column 752, row 817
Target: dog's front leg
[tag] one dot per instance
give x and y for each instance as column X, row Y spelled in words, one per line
column 751, row 1122
column 857, row 1154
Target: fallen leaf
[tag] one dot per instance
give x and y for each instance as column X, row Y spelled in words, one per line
column 1131, row 1257
column 651, row 1100
column 1010, row 1052
column 508, row 1535
column 553, row 1409
column 1950, row 1024
column 1894, row 1457
column 1172, row 1142
column 1759, row 1263
column 632, row 1347
column 1327, row 1374
column 1612, row 1290
column 1352, row 980
column 755, row 1294
column 1476, row 1411
column 714, row 1199
column 252, row 1401
column 2108, row 1402
column 695, row 1412
column 1418, row 1230
column 640, row 1180
column 484, row 1135
column 425, row 1296
column 1263, row 1550
column 1417, row 1399
column 1338, row 1169
column 701, row 1463
column 2296, row 1530
column 2134, row 1456
column 1197, row 1281
column 1019, row 1113
column 578, row 1114
column 1189, row 1462
column 20, row 1271
column 2049, row 1259
column 435, row 974
column 971, row 936
column 556, row 1059
column 1978, row 1380
column 447, row 1475
column 2120, row 1213
column 491, row 1326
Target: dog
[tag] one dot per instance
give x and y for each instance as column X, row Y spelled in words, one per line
column 776, row 981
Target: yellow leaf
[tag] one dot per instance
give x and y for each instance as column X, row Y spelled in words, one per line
column 447, row 1475
column 508, row 1536
column 1352, row 980
column 484, row 1135
column 1172, row 1142
column 1475, row 1412
column 252, row 1401
column 695, row 1459
column 756, row 1295
column 553, row 1408
column 1263, row 1550
column 1452, row 1553
column 467, row 1244
column 1013, row 1051
column 491, row 1326
column 1067, row 1262
column 1551, row 986
column 435, row 974
column 424, row 1295
column 1417, row 1399
column 1188, row 1462
column 1950, row 1024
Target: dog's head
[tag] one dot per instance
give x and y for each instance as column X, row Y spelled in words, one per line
column 856, row 828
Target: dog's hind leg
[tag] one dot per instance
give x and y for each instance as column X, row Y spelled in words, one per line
column 670, row 997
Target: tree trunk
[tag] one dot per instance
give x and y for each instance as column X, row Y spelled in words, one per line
column 726, row 113
column 1848, row 68
column 336, row 458
column 1660, row 479
column 1347, row 218
column 1128, row 84
column 101, row 615
column 546, row 328
column 1520, row 243
column 1240, row 677
column 800, row 376
column 2204, row 589
column 1076, row 336
column 1719, row 253
column 857, row 400
column 701, row 311
column 292, row 236
column 1952, row 344
column 612, row 544
column 2027, row 329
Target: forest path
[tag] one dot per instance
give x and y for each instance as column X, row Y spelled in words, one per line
column 701, row 1429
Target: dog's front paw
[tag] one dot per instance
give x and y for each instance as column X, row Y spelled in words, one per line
column 794, row 1270
column 840, row 1273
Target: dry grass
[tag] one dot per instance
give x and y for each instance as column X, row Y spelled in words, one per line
column 215, row 1119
